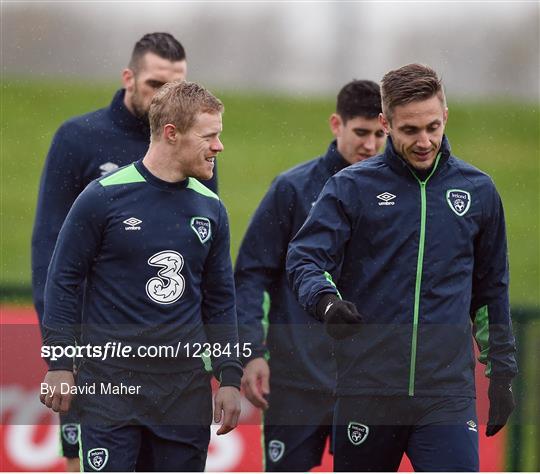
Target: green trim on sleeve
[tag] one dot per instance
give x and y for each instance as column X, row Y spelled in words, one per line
column 481, row 322
column 265, row 320
column 200, row 188
column 126, row 175
column 207, row 361
column 331, row 281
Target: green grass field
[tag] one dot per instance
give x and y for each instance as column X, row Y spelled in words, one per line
column 264, row 135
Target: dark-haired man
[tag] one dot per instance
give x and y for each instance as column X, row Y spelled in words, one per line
column 92, row 145
column 152, row 243
column 296, row 386
column 414, row 242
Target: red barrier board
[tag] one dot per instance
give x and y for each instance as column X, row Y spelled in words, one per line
column 29, row 434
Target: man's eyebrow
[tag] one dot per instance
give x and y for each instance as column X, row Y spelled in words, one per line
column 414, row 127
column 409, row 127
column 211, row 134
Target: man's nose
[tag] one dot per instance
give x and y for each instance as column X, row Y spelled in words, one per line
column 423, row 140
column 370, row 144
column 217, row 146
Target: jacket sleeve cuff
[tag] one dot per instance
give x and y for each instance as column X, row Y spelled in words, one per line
column 501, row 380
column 322, row 304
column 62, row 363
column 230, row 376
column 255, row 354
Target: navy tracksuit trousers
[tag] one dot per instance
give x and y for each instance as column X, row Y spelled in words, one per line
column 437, row 434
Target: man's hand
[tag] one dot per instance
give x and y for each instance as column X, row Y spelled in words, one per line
column 227, row 400
column 341, row 318
column 501, row 404
column 255, row 382
column 53, row 398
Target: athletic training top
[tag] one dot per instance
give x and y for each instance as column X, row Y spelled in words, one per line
column 83, row 149
column 156, row 260
column 300, row 350
column 418, row 258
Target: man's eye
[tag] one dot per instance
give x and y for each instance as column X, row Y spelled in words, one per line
column 155, row 84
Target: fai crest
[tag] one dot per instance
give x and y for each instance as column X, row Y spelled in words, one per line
column 357, row 432
column 70, row 433
column 201, row 226
column 97, row 458
column 458, row 200
column 276, row 449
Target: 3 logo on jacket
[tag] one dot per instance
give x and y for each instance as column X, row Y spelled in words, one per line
column 459, row 201
column 168, row 286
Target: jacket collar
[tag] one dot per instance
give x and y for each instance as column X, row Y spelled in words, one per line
column 124, row 119
column 399, row 165
column 333, row 160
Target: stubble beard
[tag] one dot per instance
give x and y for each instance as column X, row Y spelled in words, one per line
column 138, row 107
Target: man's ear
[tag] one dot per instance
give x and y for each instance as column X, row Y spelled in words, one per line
column 128, row 79
column 385, row 123
column 336, row 123
column 169, row 133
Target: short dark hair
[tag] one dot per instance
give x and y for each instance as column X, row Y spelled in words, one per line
column 407, row 84
column 359, row 98
column 164, row 45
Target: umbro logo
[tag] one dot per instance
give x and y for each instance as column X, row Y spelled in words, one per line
column 107, row 167
column 386, row 199
column 132, row 223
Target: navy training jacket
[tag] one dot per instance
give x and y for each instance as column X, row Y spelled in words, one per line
column 155, row 256
column 418, row 259
column 301, row 353
column 83, row 149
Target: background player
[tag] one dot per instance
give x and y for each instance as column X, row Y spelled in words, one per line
column 301, row 378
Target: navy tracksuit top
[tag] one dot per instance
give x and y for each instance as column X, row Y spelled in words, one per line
column 158, row 271
column 299, row 348
column 83, row 149
column 417, row 258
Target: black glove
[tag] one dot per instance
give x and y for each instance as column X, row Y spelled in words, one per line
column 501, row 404
column 341, row 318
